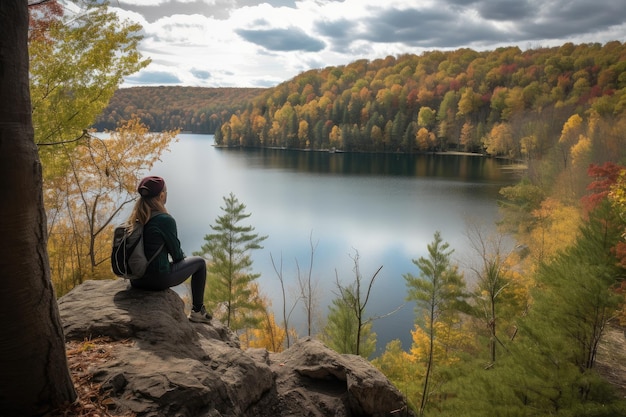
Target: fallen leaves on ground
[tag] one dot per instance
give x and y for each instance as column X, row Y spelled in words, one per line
column 91, row 401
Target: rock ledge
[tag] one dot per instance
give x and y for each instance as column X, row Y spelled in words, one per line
column 172, row 367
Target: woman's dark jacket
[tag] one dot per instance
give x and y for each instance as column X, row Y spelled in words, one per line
column 161, row 229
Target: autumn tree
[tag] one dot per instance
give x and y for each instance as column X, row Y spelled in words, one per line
column 230, row 275
column 77, row 64
column 78, row 59
column 558, row 340
column 553, row 229
column 425, row 140
column 101, row 181
column 570, row 134
column 267, row 334
column 467, row 139
column 469, row 102
column 303, row 134
column 376, row 135
column 35, row 377
column 499, row 141
column 438, row 292
column 400, row 369
column 451, row 342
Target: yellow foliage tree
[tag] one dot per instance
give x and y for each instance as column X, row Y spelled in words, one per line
column 268, row 334
column 258, row 125
column 377, row 137
column 450, row 340
column 401, row 370
column 275, row 133
column 82, row 205
column 394, row 361
column 467, row 138
column 570, row 133
column 303, row 134
column 468, row 102
column 425, row 140
column 500, row 140
column 236, row 127
column 336, row 138
column 514, row 103
column 528, row 146
column 555, row 226
column 574, row 179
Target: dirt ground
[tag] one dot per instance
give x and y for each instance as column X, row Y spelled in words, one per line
column 91, row 402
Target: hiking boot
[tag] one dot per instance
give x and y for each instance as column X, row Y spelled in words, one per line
column 200, row 316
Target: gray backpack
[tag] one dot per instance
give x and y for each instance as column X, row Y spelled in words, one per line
column 128, row 259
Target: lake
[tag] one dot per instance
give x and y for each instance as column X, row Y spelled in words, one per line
column 386, row 207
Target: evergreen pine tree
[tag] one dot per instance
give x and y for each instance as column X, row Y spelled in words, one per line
column 229, row 274
column 438, row 293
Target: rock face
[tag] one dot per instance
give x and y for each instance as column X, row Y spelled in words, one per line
column 168, row 366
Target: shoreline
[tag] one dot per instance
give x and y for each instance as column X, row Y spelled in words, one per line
column 514, row 166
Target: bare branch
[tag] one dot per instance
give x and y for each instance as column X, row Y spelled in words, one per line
column 382, row 316
column 369, row 288
column 85, row 134
column 37, row 2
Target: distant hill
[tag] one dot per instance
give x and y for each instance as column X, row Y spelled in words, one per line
column 505, row 102
column 192, row 109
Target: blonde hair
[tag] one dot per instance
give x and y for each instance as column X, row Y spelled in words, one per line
column 144, row 207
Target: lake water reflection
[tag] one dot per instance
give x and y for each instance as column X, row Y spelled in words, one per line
column 386, row 207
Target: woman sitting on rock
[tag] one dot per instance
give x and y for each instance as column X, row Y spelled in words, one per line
column 160, row 234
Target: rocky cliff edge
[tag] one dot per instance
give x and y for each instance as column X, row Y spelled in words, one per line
column 165, row 365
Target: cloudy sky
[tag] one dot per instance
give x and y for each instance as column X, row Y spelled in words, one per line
column 250, row 43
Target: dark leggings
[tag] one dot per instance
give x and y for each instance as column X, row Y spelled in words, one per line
column 193, row 265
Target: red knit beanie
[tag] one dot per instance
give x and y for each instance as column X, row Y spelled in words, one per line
column 151, row 186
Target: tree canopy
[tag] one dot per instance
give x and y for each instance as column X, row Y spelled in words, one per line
column 189, row 109
column 493, row 101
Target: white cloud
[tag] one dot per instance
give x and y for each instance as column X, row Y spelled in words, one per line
column 265, row 43
column 129, row 15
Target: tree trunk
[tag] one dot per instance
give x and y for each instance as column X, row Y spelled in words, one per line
column 429, row 364
column 34, row 375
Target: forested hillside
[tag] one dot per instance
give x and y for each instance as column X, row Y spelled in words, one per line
column 503, row 102
column 506, row 101
column 193, row 109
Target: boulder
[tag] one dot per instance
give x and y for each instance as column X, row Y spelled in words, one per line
column 165, row 365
